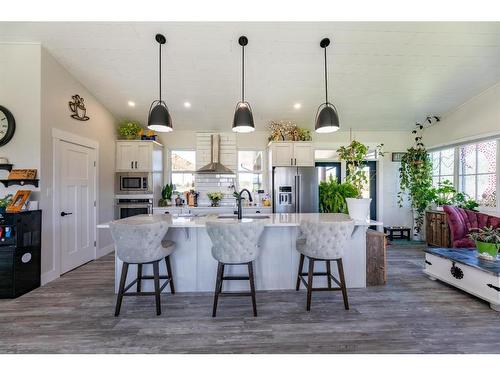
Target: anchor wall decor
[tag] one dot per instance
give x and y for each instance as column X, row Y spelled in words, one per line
column 77, row 106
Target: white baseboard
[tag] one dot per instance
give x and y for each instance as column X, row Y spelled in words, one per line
column 47, row 277
column 104, row 251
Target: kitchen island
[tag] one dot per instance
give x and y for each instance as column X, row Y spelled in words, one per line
column 194, row 269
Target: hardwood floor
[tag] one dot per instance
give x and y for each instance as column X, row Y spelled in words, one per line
column 411, row 314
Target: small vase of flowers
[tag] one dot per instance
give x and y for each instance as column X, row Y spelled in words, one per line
column 487, row 242
column 215, row 198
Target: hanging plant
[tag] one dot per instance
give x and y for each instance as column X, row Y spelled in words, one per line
column 416, row 178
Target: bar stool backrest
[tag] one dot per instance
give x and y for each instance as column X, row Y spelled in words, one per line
column 139, row 243
column 235, row 242
column 327, row 239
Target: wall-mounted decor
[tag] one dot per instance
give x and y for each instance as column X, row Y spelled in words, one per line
column 397, row 156
column 77, row 106
column 7, row 126
column 18, row 201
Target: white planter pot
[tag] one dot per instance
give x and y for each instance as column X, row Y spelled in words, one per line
column 359, row 208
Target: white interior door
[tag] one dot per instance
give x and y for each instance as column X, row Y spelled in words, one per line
column 77, row 180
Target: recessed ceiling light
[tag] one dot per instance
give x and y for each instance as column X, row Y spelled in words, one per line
column 131, row 103
column 187, row 104
column 297, row 105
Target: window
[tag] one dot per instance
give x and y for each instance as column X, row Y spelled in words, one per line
column 250, row 170
column 443, row 165
column 477, row 172
column 183, row 167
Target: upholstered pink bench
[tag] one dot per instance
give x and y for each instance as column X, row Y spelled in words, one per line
column 462, row 221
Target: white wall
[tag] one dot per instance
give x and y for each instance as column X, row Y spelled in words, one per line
column 478, row 117
column 57, row 87
column 20, row 83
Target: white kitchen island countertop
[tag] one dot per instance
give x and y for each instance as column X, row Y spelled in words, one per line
column 194, row 268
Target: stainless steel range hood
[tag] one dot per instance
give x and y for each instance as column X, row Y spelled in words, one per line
column 215, row 167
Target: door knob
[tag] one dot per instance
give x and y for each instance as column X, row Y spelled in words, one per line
column 66, row 213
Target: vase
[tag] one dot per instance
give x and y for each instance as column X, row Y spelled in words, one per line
column 488, row 251
column 359, row 208
column 215, row 203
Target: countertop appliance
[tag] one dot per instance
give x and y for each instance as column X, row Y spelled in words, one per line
column 295, row 189
column 20, row 248
column 134, row 183
column 131, row 207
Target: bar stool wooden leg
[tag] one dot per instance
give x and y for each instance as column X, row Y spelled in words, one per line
column 156, row 276
column 329, row 274
column 218, row 287
column 252, row 287
column 301, row 265
column 139, row 277
column 342, row 281
column 121, row 288
column 310, row 283
column 169, row 273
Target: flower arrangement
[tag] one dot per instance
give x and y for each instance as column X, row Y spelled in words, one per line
column 129, row 129
column 215, row 198
column 5, row 202
column 288, row 131
column 487, row 241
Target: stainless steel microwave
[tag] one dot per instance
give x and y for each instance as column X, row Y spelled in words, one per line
column 134, row 183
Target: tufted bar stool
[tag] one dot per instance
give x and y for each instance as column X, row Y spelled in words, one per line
column 142, row 243
column 234, row 243
column 324, row 241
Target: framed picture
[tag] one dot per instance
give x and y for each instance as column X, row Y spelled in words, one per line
column 18, row 201
column 397, row 156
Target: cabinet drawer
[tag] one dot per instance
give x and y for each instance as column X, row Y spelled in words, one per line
column 469, row 279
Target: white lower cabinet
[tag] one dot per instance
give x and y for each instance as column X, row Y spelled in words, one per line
column 473, row 280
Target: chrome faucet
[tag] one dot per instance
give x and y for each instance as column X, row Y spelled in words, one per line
column 238, row 200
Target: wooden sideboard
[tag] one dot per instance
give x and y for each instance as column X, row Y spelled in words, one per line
column 437, row 231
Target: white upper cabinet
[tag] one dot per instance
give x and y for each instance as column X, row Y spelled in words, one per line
column 135, row 156
column 291, row 154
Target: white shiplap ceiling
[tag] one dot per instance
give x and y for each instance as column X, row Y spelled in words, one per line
column 383, row 75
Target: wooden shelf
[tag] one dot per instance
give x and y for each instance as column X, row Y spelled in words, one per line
column 6, row 167
column 21, row 182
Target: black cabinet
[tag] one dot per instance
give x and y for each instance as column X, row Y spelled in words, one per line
column 20, row 251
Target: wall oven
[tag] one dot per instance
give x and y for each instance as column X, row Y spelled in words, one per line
column 134, row 183
column 131, row 207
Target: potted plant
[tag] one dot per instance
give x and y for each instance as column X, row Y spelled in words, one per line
column 415, row 176
column 446, row 194
column 215, row 198
column 166, row 195
column 5, row 202
column 487, row 242
column 333, row 195
column 355, row 157
column 129, row 130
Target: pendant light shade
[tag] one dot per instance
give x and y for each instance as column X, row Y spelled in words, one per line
column 243, row 118
column 327, row 117
column 159, row 118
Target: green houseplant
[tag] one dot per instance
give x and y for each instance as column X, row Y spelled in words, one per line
column 355, row 155
column 487, row 242
column 446, row 194
column 332, row 196
column 5, row 202
column 166, row 195
column 215, row 198
column 129, row 129
column 415, row 175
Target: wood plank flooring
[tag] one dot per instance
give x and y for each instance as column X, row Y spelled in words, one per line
column 411, row 314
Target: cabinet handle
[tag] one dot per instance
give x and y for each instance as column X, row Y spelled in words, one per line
column 494, row 287
column 295, row 161
column 291, row 161
column 135, row 165
column 131, row 165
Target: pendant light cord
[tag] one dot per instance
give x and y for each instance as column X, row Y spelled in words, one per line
column 326, row 81
column 160, row 70
column 242, row 73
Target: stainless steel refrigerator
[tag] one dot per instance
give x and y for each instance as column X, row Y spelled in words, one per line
column 295, row 189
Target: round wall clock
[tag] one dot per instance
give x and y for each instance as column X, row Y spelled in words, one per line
column 7, row 126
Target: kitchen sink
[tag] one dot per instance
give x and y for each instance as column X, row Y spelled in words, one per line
column 244, row 217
